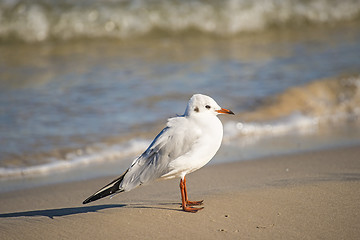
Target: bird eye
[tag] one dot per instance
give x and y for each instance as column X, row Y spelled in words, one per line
column 207, row 106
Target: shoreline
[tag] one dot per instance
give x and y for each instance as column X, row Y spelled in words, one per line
column 286, row 146
column 307, row 195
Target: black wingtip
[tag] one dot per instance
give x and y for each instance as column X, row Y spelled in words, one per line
column 109, row 189
column 87, row 201
column 101, row 194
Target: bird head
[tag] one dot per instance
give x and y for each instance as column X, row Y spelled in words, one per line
column 204, row 105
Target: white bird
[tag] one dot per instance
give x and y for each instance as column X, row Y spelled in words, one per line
column 187, row 143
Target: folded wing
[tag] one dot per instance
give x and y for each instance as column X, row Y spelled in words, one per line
column 168, row 145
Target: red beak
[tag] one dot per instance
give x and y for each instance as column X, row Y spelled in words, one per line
column 225, row 111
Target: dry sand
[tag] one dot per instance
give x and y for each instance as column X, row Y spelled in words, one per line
column 312, row 195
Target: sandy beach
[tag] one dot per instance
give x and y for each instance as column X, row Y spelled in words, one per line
column 313, row 195
column 86, row 85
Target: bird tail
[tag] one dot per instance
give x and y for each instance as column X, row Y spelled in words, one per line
column 111, row 188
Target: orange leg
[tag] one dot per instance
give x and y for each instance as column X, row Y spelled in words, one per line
column 186, row 204
column 190, row 203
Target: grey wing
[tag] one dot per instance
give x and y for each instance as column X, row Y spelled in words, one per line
column 154, row 162
column 149, row 166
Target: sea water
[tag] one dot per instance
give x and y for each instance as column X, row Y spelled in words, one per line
column 86, row 85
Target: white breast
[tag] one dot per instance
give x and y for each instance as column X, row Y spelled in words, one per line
column 210, row 132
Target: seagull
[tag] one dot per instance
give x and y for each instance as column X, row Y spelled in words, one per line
column 186, row 144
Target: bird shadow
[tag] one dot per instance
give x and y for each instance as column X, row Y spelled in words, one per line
column 60, row 212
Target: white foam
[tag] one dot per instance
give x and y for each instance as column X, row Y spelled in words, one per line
column 78, row 159
column 37, row 22
column 251, row 131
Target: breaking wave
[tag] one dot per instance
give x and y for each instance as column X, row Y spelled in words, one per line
column 78, row 158
column 302, row 109
column 40, row 20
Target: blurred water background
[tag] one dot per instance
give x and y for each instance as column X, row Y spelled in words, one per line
column 85, row 85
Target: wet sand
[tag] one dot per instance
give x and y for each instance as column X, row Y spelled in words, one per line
column 312, row 195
